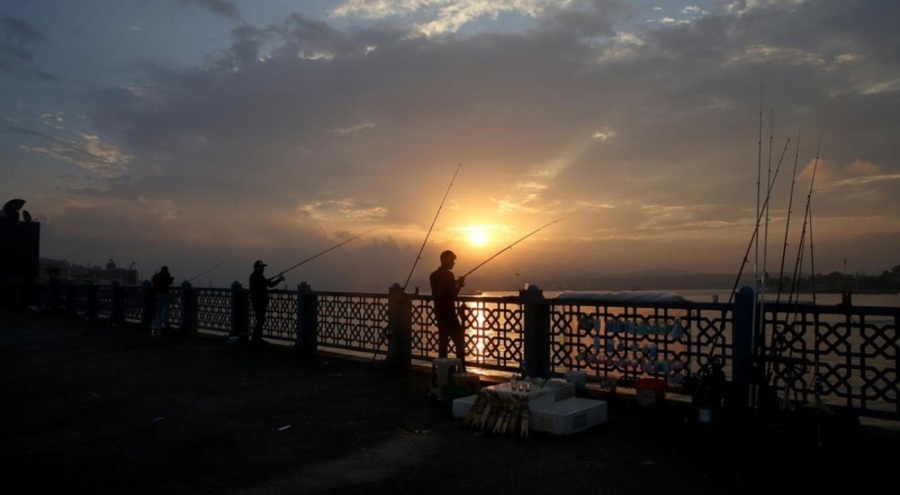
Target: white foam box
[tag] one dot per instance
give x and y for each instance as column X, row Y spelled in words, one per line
column 568, row 416
column 564, row 417
column 462, row 405
column 561, row 388
column 537, row 397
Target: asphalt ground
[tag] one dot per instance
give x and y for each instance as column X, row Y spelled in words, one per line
column 93, row 408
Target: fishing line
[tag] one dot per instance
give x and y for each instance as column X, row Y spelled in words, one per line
column 320, row 254
column 510, row 246
column 206, row 271
column 419, row 256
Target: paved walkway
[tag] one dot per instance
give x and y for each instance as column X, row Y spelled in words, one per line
column 92, row 408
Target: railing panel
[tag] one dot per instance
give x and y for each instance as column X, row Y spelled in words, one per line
column 353, row 321
column 214, row 309
column 844, row 356
column 133, row 302
column 494, row 329
column 281, row 316
column 625, row 342
column 175, row 306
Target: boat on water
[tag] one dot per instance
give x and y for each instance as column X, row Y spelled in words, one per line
column 470, row 292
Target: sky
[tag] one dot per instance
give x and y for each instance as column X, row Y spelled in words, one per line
column 543, row 141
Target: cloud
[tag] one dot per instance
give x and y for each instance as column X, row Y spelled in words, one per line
column 225, row 8
column 645, row 136
column 16, row 35
column 88, row 151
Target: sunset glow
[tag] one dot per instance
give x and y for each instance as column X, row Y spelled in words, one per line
column 477, row 235
column 279, row 130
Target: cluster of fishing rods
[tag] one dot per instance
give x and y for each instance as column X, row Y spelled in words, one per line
column 418, row 256
column 763, row 210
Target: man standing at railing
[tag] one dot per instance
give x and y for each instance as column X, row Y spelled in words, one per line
column 259, row 298
column 445, row 289
column 162, row 282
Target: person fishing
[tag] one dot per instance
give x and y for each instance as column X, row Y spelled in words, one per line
column 445, row 289
column 161, row 283
column 259, row 298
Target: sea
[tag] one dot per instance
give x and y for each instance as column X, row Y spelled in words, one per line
column 722, row 295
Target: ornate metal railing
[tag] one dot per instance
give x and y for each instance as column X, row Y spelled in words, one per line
column 281, row 317
column 494, row 331
column 214, row 309
column 842, row 356
column 846, row 356
column 355, row 322
column 612, row 341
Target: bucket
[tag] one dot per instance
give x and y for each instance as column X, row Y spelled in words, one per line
column 650, row 391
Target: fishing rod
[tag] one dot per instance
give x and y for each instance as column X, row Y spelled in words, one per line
column 806, row 220
column 206, row 271
column 787, row 223
column 508, row 247
column 773, row 340
column 419, row 256
column 755, row 236
column 320, row 254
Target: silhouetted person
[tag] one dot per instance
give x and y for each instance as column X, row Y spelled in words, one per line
column 162, row 282
column 445, row 289
column 259, row 298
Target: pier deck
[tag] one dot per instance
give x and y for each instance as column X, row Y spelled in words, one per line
column 109, row 409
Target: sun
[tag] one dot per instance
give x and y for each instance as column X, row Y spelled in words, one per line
column 477, row 235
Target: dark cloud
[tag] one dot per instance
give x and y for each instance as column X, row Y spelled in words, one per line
column 16, row 35
column 225, row 8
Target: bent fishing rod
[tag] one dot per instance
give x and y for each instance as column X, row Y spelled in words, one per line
column 509, row 247
column 205, row 271
column 419, row 256
column 319, row 254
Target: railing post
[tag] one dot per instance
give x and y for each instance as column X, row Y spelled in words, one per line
column 240, row 311
column 188, row 308
column 90, row 311
column 399, row 356
column 537, row 332
column 307, row 320
column 148, row 304
column 117, row 311
column 742, row 351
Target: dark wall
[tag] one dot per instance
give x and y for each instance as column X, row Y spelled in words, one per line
column 20, row 244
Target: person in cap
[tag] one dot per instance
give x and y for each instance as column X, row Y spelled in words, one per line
column 259, row 299
column 444, row 290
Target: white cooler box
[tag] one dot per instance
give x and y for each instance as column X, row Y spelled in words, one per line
column 568, row 416
column 564, row 417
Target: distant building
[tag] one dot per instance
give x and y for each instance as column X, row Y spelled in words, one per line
column 67, row 272
column 20, row 243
